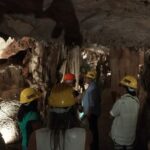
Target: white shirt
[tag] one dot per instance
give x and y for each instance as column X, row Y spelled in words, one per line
column 125, row 113
column 74, row 139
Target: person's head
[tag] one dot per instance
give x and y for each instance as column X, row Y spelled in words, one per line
column 130, row 84
column 28, row 95
column 69, row 79
column 90, row 76
column 29, row 102
column 62, row 111
column 61, row 103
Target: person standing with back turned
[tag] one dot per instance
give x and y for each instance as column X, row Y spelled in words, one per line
column 91, row 106
column 28, row 114
column 125, row 113
column 64, row 131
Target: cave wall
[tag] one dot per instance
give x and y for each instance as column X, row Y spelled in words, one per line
column 126, row 61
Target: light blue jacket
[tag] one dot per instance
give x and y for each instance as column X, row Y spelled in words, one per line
column 91, row 99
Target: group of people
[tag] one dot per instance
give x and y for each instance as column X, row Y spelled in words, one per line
column 64, row 129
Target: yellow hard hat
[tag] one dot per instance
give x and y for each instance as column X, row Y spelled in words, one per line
column 28, row 95
column 129, row 81
column 91, row 74
column 61, row 96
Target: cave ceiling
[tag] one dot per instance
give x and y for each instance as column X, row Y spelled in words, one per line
column 106, row 21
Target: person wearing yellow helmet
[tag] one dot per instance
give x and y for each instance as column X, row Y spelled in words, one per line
column 129, row 82
column 64, row 131
column 125, row 113
column 91, row 106
column 28, row 115
column 91, row 74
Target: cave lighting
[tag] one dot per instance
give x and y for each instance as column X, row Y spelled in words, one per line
column 108, row 73
column 8, row 131
column 4, row 44
column 84, row 55
column 8, row 124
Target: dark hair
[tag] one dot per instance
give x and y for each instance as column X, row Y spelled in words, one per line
column 133, row 93
column 24, row 109
column 59, row 123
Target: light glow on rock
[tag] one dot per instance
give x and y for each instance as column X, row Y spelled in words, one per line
column 4, row 44
column 8, row 124
column 8, row 131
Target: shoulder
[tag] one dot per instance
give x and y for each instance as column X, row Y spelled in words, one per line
column 129, row 98
column 118, row 101
column 93, row 85
column 124, row 98
column 33, row 115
